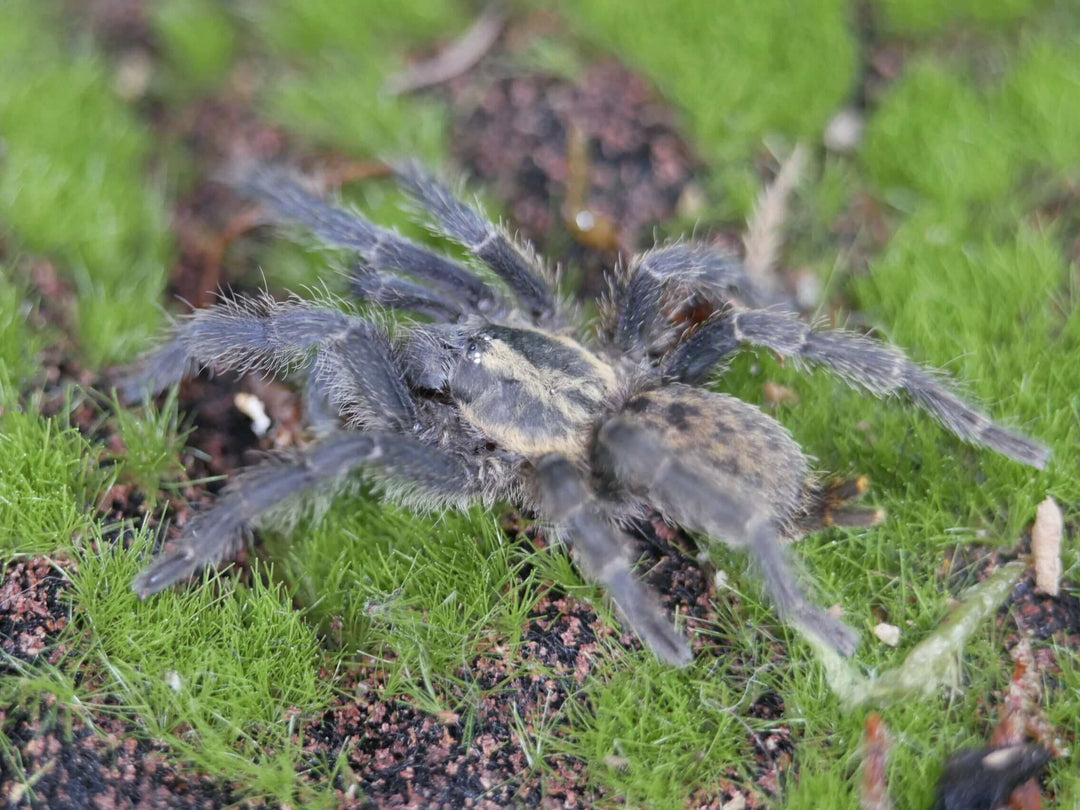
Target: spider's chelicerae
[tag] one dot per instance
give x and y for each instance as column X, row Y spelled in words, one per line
column 497, row 392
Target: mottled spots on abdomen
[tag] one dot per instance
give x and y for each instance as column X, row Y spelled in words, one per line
column 730, row 441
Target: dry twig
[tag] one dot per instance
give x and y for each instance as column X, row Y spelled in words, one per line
column 763, row 237
column 454, row 59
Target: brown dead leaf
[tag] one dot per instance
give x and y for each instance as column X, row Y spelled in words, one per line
column 873, row 788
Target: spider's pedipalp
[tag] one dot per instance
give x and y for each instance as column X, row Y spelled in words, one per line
column 395, row 292
column 362, row 379
column 601, row 551
column 217, row 534
column 382, row 247
column 869, row 364
column 482, row 238
column 687, row 264
column 703, row 492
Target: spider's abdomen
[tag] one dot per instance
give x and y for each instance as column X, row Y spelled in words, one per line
column 529, row 391
column 732, row 443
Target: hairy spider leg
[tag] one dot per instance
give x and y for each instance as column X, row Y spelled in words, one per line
column 601, row 551
column 354, row 362
column 485, row 240
column 652, row 272
column 242, row 334
column 383, row 248
column 266, row 489
column 394, row 292
column 861, row 362
column 641, row 462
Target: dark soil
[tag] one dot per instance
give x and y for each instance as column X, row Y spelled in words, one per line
column 32, row 612
column 70, row 765
column 539, row 141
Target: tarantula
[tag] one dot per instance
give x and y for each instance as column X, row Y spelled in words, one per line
column 498, row 393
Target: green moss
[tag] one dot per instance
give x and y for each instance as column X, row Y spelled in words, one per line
column 339, row 56
column 933, row 135
column 925, row 16
column 18, row 345
column 199, row 39
column 937, row 136
column 652, row 736
column 1042, row 99
column 380, row 578
column 738, row 70
column 46, row 484
column 153, row 440
column 223, row 672
column 339, row 103
column 315, row 27
column 74, row 181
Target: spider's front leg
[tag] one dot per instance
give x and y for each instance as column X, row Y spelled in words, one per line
column 601, row 551
column 434, row 476
column 384, row 249
column 394, row 292
column 876, row 367
column 481, row 237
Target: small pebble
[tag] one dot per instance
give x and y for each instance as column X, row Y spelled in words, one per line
column 888, row 634
column 252, row 407
column 172, row 678
column 844, row 132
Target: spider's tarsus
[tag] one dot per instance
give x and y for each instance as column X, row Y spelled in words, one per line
column 157, row 370
column 1016, row 446
column 793, row 606
column 163, row 572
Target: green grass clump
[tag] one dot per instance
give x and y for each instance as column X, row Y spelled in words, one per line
column 337, row 55
column 223, row 672
column 47, row 483
column 74, row 180
column 652, row 736
column 925, row 16
column 153, row 440
column 934, row 135
column 18, row 344
column 1042, row 97
column 937, row 136
column 378, row 578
